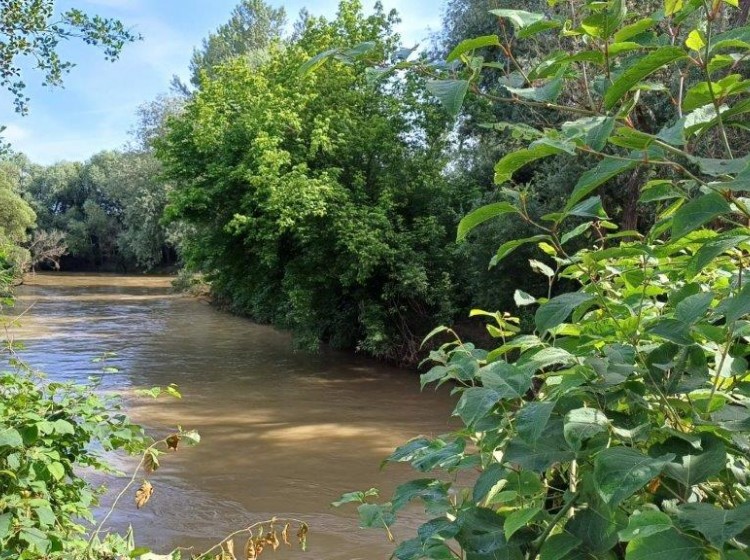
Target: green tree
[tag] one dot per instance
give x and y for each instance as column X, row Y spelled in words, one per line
column 251, row 29
column 318, row 202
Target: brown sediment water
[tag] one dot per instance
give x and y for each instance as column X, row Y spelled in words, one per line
column 284, row 433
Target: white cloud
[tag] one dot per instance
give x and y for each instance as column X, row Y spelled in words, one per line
column 14, row 133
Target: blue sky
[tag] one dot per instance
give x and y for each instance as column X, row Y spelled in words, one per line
column 95, row 109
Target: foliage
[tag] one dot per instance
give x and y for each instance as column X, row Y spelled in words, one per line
column 109, row 209
column 318, row 202
column 617, row 425
column 251, row 29
column 31, row 29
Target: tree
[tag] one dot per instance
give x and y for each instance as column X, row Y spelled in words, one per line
column 318, row 202
column 46, row 247
column 30, row 29
column 252, row 27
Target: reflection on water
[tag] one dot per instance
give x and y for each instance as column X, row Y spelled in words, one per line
column 283, row 433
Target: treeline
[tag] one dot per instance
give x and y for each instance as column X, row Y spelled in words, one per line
column 324, row 202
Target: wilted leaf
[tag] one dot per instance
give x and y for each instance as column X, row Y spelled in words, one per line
column 173, row 441
column 143, row 494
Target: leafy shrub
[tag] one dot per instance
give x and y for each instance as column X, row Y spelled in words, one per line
column 618, row 426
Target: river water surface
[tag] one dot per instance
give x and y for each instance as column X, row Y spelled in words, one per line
column 283, row 433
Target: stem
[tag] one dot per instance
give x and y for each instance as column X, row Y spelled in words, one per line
column 714, row 99
column 249, row 529
column 122, row 492
column 537, row 544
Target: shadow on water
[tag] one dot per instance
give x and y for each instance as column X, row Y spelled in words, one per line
column 284, row 433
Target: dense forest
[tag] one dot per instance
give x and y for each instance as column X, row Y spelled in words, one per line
column 331, row 182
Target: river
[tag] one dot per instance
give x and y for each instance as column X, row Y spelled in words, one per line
column 284, row 433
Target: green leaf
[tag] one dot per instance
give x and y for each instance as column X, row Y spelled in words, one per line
column 481, row 215
column 375, row 515
column 558, row 546
column 593, row 131
column 575, row 232
column 597, row 526
column 317, row 61
column 488, row 481
column 646, row 523
column 671, row 7
column 475, row 403
column 522, row 299
column 57, row 470
column 582, row 424
column 532, row 419
column 719, row 167
column 469, row 45
column 519, row 519
column 539, row 456
column 519, row 18
column 694, row 307
column 632, row 30
column 355, row 497
column 508, row 165
column 507, row 381
column 9, row 437
column 717, row 525
column 546, row 93
column 450, row 93
column 736, row 306
column 431, row 491
column 665, row 545
column 644, row 67
column 593, row 178
column 737, row 37
column 619, row 472
column 693, row 466
column 5, row 521
column 36, row 539
column 508, row 247
column 698, row 212
column 45, row 515
column 556, row 310
column 712, row 249
column 696, row 40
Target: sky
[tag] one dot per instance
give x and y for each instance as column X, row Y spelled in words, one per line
column 95, row 110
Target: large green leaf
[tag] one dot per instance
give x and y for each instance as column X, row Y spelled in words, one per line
column 509, row 164
column 643, row 68
column 648, row 522
column 593, row 178
column 736, row 306
column 665, row 545
column 597, row 526
column 481, row 215
column 519, row 18
column 451, row 93
column 507, row 381
column 475, row 403
column 556, row 310
column 558, row 546
column 9, row 437
column 692, row 466
column 548, row 92
column 717, row 525
column 532, row 419
column 433, row 492
column 541, row 455
column 694, row 307
column 487, row 481
column 738, row 37
column 509, row 246
column 473, row 44
column 698, row 212
column 619, row 472
column 582, row 424
column 712, row 249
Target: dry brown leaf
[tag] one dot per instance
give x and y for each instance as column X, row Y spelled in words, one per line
column 250, row 549
column 274, row 542
column 150, row 462
column 143, row 494
column 173, row 441
column 285, row 535
column 302, row 536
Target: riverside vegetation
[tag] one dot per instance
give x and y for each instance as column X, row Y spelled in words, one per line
column 611, row 418
column 616, row 424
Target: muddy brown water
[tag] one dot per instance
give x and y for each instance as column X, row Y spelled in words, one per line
column 284, row 433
